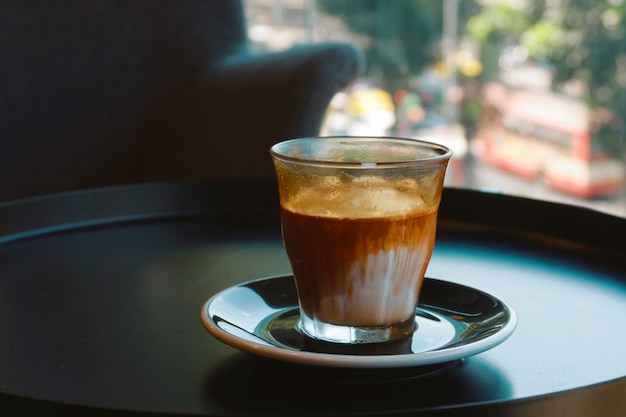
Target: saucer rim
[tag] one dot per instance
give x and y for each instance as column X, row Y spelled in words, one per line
column 266, row 349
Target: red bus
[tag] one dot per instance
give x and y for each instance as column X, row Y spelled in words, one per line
column 542, row 136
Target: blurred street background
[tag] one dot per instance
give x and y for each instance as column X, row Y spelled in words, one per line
column 529, row 94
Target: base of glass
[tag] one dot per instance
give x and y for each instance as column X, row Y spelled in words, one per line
column 355, row 334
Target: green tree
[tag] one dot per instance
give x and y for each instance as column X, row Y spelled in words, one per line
column 403, row 33
column 581, row 40
column 590, row 47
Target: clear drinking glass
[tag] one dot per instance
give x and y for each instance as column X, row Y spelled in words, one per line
column 359, row 218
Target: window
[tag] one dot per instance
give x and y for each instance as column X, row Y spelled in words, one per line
column 529, row 94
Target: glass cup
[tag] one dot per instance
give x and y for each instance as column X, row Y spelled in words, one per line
column 359, row 217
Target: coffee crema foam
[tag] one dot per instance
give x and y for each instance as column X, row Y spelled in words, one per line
column 359, row 256
column 367, row 197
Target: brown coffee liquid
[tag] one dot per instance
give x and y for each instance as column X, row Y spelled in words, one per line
column 343, row 266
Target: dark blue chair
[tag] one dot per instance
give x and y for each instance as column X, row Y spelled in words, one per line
column 96, row 93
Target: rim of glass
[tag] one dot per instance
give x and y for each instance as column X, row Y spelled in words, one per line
column 446, row 152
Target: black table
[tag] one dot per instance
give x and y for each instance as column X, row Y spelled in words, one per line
column 100, row 294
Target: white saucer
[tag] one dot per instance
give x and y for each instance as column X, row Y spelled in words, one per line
column 453, row 322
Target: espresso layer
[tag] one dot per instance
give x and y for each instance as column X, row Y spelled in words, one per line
column 359, row 271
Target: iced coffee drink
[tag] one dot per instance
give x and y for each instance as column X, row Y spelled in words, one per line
column 359, row 219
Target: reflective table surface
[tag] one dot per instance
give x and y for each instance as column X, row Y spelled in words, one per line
column 101, row 291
